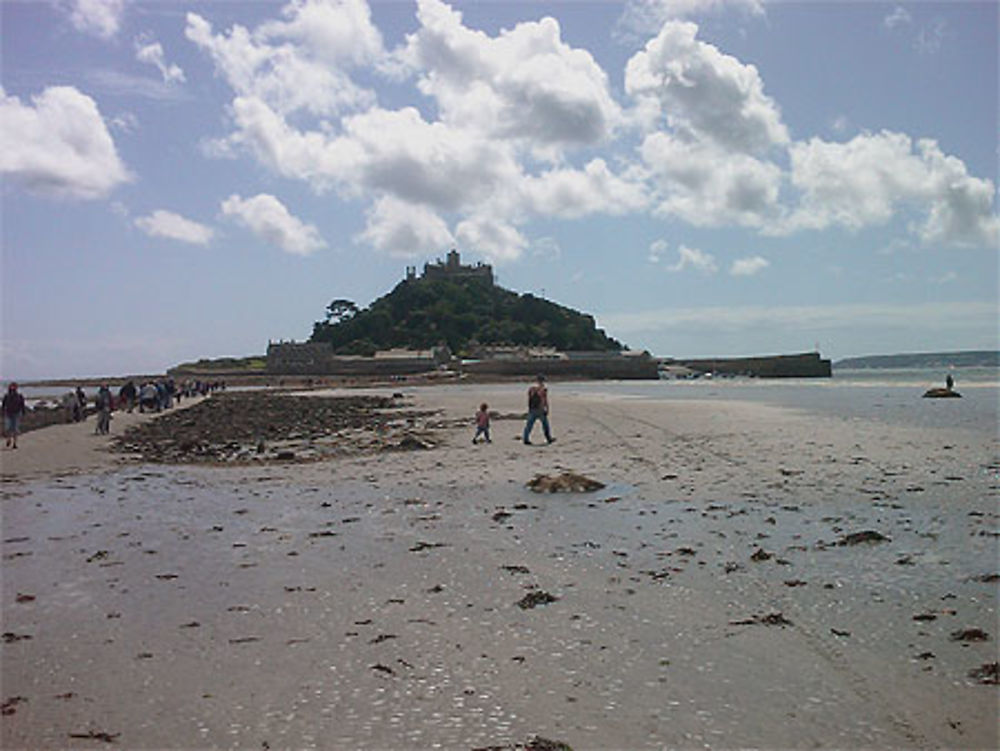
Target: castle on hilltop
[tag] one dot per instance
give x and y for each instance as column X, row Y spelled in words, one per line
column 452, row 268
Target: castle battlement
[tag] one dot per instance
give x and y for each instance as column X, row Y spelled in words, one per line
column 453, row 268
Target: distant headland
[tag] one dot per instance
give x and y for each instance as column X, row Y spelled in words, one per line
column 964, row 359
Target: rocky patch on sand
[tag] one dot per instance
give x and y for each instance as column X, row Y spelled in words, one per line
column 857, row 538
column 770, row 619
column 567, row 482
column 941, row 393
column 535, row 743
column 970, row 635
column 534, row 599
column 267, row 426
column 988, row 674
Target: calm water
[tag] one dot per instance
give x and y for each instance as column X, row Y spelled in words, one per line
column 891, row 395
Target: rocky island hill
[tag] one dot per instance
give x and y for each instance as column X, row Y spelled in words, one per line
column 461, row 307
column 456, row 316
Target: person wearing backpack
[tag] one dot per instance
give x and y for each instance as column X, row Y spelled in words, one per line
column 538, row 409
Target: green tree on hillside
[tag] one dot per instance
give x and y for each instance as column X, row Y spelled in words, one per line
column 340, row 310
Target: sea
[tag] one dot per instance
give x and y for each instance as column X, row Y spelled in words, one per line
column 892, row 396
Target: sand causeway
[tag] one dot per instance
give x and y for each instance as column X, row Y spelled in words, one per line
column 707, row 596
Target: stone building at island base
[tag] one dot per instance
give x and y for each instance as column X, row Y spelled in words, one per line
column 318, row 358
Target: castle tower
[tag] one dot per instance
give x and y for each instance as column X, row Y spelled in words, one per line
column 452, row 268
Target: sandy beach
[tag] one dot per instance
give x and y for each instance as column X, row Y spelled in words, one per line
column 749, row 576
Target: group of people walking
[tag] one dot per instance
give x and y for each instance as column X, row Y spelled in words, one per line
column 153, row 396
column 538, row 411
column 160, row 395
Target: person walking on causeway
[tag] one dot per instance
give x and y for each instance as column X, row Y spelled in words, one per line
column 538, row 409
column 13, row 411
column 104, row 403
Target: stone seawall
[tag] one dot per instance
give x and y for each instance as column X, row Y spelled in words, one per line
column 805, row 365
column 606, row 368
column 355, row 367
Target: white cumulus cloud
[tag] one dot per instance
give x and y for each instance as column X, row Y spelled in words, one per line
column 338, row 31
column 571, row 193
column 649, row 15
column 706, row 186
column 404, row 229
column 509, row 123
column 692, row 258
column 899, row 16
column 657, row 249
column 152, row 53
column 394, row 152
column 495, row 238
column 99, row 17
column 59, row 145
column 267, row 217
column 867, row 180
column 173, row 226
column 301, row 64
column 749, row 266
column 525, row 84
column 126, row 122
column 421, row 161
column 702, row 93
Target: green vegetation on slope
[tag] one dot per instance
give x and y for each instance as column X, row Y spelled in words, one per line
column 423, row 313
column 255, row 363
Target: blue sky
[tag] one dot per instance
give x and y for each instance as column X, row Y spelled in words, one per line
column 707, row 177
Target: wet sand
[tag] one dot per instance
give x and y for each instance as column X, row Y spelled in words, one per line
column 702, row 598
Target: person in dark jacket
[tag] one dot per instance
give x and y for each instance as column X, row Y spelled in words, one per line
column 13, row 411
column 104, row 403
column 538, row 409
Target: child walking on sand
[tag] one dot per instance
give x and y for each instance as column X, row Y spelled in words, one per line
column 482, row 423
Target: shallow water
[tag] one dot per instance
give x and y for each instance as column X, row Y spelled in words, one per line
column 886, row 401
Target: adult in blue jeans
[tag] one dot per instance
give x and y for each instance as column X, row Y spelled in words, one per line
column 538, row 409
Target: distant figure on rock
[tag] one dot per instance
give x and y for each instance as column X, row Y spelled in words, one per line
column 948, row 392
column 13, row 411
column 482, row 423
column 538, row 409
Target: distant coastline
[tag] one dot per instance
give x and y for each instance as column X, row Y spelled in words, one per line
column 964, row 359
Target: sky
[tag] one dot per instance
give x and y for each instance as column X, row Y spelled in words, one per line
column 706, row 177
